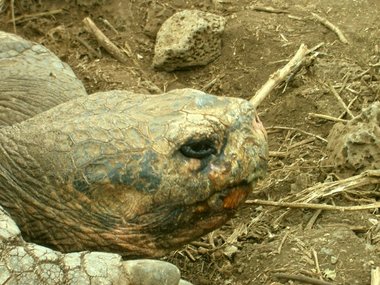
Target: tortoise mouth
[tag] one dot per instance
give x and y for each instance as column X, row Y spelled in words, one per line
column 203, row 217
column 229, row 199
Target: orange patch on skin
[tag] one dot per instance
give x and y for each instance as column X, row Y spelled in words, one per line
column 234, row 199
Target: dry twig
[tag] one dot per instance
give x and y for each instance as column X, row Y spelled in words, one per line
column 279, row 154
column 104, row 41
column 316, row 261
column 301, row 143
column 279, row 76
column 13, row 16
column 189, row 255
column 332, row 27
column 312, row 220
column 87, row 45
column 292, row 67
column 327, row 189
column 29, row 17
column 313, row 206
column 335, row 93
column 348, row 106
column 318, row 46
column 298, row 130
column 269, row 9
column 109, row 25
column 326, row 117
column 375, row 276
column 296, row 18
column 282, row 242
column 301, row 278
column 3, row 5
column 303, row 198
column 200, row 244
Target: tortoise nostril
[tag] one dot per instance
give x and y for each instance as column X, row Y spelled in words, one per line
column 221, row 168
column 220, row 174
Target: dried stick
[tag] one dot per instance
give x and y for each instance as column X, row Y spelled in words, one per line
column 3, row 5
column 200, row 244
column 326, row 117
column 109, row 25
column 361, row 74
column 303, row 142
column 279, row 76
column 296, row 18
column 189, row 255
column 316, row 261
column 298, row 130
column 332, row 27
column 313, row 206
column 269, row 9
column 312, row 220
column 333, row 91
column 13, row 15
column 104, row 41
column 345, row 80
column 29, row 17
column 282, row 242
column 348, row 106
column 374, row 64
column 90, row 49
column 279, row 154
column 318, row 46
column 301, row 278
column 375, row 276
column 327, row 189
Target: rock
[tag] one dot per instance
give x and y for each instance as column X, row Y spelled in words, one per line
column 8, row 228
column 184, row 282
column 188, row 38
column 152, row 272
column 355, row 147
column 31, row 264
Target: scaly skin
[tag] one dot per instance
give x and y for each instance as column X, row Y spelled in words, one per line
column 33, row 80
column 31, row 264
column 104, row 172
column 138, row 175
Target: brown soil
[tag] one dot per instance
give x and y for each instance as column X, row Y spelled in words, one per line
column 339, row 247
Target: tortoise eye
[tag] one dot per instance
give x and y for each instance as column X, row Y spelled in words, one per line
column 198, row 149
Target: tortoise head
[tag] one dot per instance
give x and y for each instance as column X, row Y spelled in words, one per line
column 136, row 174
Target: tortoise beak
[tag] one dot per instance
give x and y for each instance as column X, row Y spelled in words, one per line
column 229, row 199
column 236, row 196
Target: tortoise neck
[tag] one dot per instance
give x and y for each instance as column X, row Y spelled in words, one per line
column 8, row 166
column 16, row 167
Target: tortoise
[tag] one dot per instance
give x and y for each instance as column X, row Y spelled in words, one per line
column 126, row 175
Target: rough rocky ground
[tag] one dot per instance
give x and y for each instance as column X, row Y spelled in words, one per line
column 262, row 241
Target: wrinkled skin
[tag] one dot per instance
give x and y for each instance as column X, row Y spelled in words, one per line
column 32, row 80
column 24, row 263
column 110, row 174
column 138, row 175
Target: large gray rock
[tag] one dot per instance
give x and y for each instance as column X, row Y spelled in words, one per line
column 188, row 38
column 355, row 147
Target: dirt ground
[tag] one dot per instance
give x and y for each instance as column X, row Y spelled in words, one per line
column 262, row 242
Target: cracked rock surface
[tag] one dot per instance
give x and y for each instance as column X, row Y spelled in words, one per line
column 188, row 38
